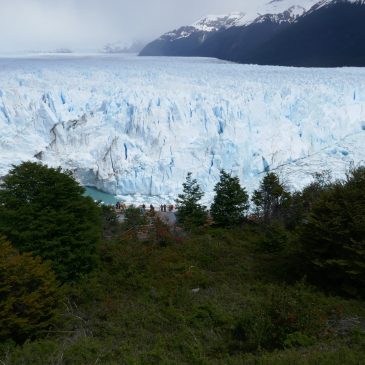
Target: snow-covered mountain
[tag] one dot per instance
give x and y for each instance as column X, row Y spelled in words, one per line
column 324, row 3
column 213, row 23
column 330, row 34
column 184, row 40
column 269, row 35
column 208, row 24
column 194, row 35
column 277, row 10
column 135, row 126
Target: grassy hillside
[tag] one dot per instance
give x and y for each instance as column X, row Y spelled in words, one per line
column 214, row 297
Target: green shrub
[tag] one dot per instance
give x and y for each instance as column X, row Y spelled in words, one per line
column 298, row 339
column 275, row 238
column 302, row 202
column 161, row 233
column 28, row 294
column 333, row 238
column 134, row 217
column 43, row 211
column 285, row 315
column 211, row 299
column 333, row 353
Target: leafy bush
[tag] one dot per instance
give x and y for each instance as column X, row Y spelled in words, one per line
column 333, row 238
column 288, row 315
column 43, row 211
column 275, row 238
column 302, row 202
column 161, row 233
column 299, row 339
column 333, row 353
column 28, row 294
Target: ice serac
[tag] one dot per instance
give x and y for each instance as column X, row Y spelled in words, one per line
column 135, row 126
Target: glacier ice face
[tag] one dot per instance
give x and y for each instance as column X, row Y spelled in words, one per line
column 135, row 126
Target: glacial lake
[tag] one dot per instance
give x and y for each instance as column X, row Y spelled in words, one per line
column 98, row 195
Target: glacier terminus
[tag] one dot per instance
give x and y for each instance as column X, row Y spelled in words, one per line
column 134, row 126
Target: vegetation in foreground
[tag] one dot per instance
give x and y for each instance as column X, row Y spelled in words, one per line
column 261, row 290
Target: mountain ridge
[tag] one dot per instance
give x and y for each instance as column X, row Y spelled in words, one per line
column 267, row 35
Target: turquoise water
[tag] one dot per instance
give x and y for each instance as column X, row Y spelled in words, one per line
column 100, row 196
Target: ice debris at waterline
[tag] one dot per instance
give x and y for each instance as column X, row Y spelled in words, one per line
column 136, row 126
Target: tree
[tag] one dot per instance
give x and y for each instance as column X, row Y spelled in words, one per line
column 333, row 237
column 43, row 211
column 301, row 202
column 231, row 201
column 28, row 294
column 190, row 212
column 271, row 198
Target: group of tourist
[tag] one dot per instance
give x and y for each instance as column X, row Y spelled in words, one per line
column 120, row 206
column 163, row 207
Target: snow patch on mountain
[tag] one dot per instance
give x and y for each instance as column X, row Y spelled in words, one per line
column 323, row 3
column 277, row 10
column 213, row 23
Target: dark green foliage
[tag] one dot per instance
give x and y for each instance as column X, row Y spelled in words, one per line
column 312, row 192
column 190, row 213
column 230, row 201
column 334, row 235
column 78, row 351
column 215, row 296
column 288, row 316
column 134, row 217
column 201, row 301
column 161, row 233
column 109, row 215
column 275, row 238
column 28, row 294
column 43, row 211
column 110, row 224
column 271, row 199
column 302, row 202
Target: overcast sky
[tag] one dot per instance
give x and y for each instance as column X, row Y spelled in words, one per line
column 51, row 24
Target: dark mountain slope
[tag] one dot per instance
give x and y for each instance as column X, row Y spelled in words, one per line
column 331, row 36
column 184, row 46
column 237, row 43
column 186, row 41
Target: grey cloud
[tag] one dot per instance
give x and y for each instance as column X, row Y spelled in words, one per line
column 87, row 24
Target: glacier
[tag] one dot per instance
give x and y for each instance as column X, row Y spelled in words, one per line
column 134, row 127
